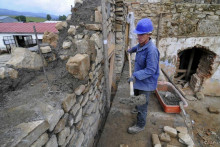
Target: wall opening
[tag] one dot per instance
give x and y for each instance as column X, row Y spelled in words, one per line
column 194, row 65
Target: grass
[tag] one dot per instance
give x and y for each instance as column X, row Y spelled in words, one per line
column 33, row 19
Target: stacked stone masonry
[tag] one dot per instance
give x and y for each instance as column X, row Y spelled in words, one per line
column 120, row 24
column 78, row 50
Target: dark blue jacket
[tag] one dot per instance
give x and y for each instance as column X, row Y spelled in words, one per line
column 146, row 68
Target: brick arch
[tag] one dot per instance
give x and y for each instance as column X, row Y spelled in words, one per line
column 194, row 65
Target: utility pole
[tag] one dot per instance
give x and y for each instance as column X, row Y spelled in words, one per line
column 105, row 48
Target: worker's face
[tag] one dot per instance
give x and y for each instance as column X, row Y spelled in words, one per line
column 143, row 38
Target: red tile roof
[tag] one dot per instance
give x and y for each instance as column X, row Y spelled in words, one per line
column 27, row 27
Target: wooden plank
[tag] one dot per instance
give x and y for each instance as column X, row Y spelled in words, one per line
column 190, row 64
column 111, row 70
column 111, row 49
column 106, row 61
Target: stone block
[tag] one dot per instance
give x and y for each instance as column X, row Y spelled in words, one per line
column 70, row 120
column 22, row 58
column 61, row 124
column 85, row 99
column 94, row 27
column 98, row 17
column 79, row 140
column 98, row 39
column 52, row 142
column 60, row 25
column 182, row 130
column 79, row 125
column 42, row 140
column 78, row 66
column 79, row 90
column 67, row 44
column 45, row 49
column 78, row 116
column 156, row 141
column 186, row 139
column 53, row 117
column 72, row 132
column 2, row 72
column 87, row 110
column 87, row 47
column 68, row 102
column 72, row 30
column 30, row 132
column 69, row 17
column 213, row 109
column 171, row 131
column 62, row 136
column 165, row 137
column 75, row 109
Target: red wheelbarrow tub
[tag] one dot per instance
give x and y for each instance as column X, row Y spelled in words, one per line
column 167, row 86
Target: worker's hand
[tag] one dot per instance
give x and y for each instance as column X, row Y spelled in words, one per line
column 131, row 79
column 129, row 50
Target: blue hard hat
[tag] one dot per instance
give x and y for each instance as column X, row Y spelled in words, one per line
column 144, row 26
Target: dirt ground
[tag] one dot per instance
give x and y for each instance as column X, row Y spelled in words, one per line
column 119, row 119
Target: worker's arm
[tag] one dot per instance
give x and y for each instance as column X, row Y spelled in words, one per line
column 151, row 66
column 133, row 49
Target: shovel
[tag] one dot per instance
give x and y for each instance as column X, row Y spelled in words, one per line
column 133, row 100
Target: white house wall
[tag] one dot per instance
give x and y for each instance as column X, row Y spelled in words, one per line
column 169, row 48
column 2, row 46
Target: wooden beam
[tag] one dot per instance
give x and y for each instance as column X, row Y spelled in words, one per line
column 190, row 64
column 106, row 61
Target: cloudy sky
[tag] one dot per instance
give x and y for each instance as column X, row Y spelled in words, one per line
column 55, row 7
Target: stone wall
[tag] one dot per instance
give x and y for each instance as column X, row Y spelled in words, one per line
column 184, row 26
column 72, row 110
column 120, row 24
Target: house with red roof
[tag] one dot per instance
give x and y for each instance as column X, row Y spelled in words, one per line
column 22, row 34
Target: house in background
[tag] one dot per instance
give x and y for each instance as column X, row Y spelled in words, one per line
column 22, row 34
column 7, row 19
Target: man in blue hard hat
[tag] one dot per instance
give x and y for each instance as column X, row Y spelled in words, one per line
column 146, row 70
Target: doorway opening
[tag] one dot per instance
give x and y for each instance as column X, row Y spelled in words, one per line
column 194, row 65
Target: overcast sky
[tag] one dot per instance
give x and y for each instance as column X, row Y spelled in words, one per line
column 55, row 7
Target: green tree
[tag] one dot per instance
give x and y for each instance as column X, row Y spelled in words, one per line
column 62, row 17
column 48, row 17
column 21, row 18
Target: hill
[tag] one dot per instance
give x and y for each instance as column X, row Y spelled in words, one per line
column 27, row 14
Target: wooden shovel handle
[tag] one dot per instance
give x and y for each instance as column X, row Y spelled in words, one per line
column 131, row 83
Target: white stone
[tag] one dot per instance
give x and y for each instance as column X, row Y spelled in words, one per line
column 69, row 137
column 62, row 136
column 30, row 132
column 79, row 90
column 61, row 124
column 171, row 131
column 52, row 142
column 85, row 99
column 186, row 139
column 75, row 108
column 78, row 116
column 23, row 58
column 98, row 39
column 165, row 137
column 182, row 130
column 69, row 17
column 72, row 30
column 2, row 72
column 67, row 44
column 68, row 102
column 53, row 117
column 42, row 140
column 45, row 49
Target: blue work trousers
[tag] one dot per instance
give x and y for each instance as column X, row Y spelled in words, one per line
column 142, row 109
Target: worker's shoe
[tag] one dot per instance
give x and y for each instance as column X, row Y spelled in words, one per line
column 134, row 111
column 135, row 129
